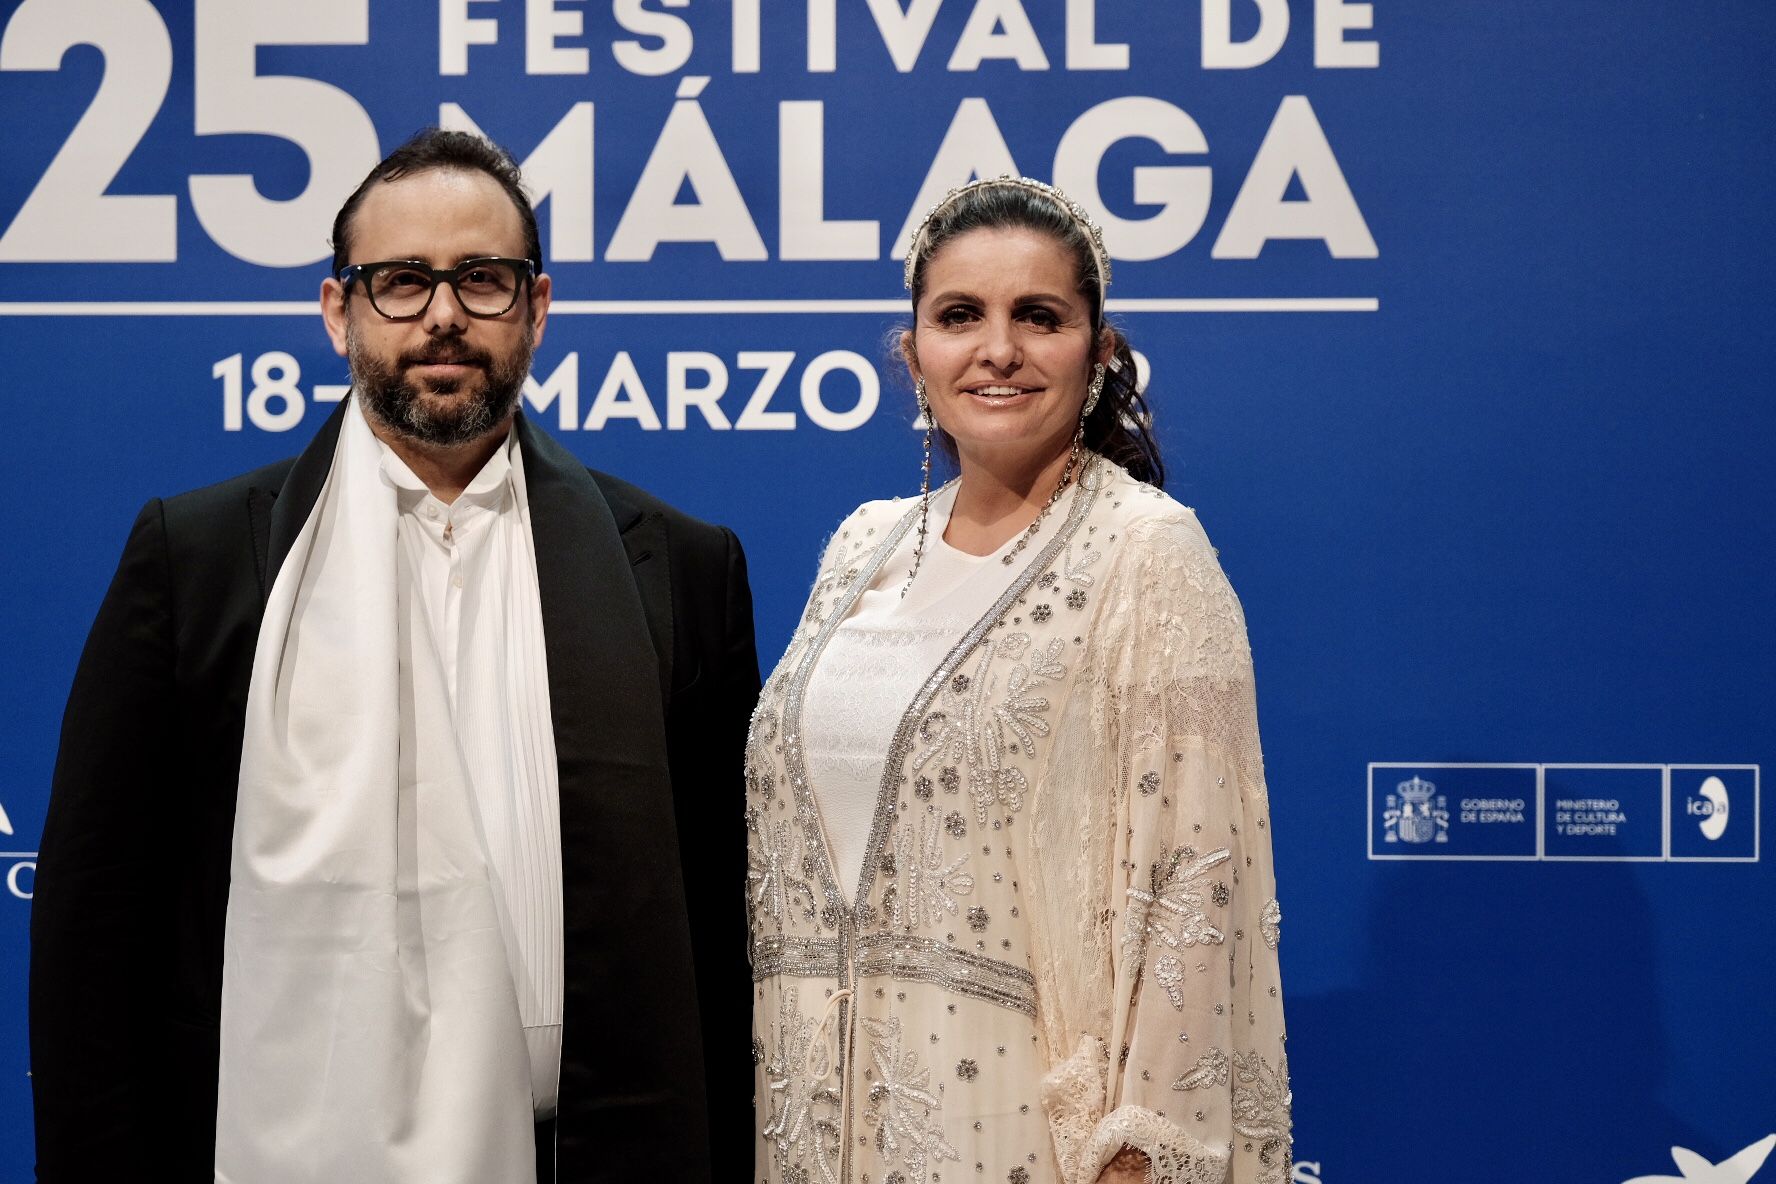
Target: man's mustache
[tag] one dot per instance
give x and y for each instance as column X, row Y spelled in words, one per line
column 440, row 353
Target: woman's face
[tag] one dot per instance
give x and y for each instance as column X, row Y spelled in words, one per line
column 1004, row 342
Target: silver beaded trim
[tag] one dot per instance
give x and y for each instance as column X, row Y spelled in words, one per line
column 801, row 957
column 1093, row 233
column 794, row 759
column 927, row 960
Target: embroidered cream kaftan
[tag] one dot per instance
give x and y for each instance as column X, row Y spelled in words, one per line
column 1064, row 936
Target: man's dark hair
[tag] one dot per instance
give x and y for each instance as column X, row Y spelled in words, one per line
column 435, row 148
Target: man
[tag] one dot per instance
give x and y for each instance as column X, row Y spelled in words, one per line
column 394, row 781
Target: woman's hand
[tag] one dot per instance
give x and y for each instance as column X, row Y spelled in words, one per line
column 1129, row 1167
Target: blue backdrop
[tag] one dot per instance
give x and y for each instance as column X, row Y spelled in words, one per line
column 1459, row 320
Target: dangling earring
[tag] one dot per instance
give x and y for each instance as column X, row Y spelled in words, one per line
column 1094, row 391
column 924, row 484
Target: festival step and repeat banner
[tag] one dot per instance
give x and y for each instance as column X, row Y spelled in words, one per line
column 1457, row 319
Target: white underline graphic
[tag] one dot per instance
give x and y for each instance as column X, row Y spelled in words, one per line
column 1248, row 304
column 608, row 308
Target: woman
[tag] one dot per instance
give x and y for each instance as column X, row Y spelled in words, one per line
column 1009, row 884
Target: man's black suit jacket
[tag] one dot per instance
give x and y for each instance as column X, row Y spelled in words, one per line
column 647, row 617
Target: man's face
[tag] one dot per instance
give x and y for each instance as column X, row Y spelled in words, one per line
column 447, row 378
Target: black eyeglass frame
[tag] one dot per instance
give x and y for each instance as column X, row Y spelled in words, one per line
column 354, row 273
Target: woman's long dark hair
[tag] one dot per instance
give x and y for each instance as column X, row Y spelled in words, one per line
column 1121, row 427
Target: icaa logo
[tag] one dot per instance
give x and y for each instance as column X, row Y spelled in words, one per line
column 1710, row 805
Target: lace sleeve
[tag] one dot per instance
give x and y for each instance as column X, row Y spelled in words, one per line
column 1184, row 1061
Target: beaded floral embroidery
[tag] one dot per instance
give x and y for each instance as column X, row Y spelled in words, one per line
column 903, row 1107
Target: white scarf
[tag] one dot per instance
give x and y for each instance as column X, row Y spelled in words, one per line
column 370, row 1028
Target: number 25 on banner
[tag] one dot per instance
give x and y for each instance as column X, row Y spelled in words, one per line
column 68, row 216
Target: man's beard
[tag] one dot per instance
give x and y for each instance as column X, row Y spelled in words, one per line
column 398, row 403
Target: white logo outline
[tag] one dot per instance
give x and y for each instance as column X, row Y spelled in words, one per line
column 1416, row 813
column 1715, row 819
column 1737, row 1168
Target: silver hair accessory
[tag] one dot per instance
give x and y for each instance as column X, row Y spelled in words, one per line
column 1093, row 235
column 924, row 484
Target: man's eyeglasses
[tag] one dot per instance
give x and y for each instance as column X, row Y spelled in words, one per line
column 402, row 289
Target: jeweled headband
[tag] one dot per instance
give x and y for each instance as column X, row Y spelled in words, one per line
column 1093, row 235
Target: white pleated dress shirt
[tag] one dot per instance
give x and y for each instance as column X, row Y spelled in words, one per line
column 470, row 568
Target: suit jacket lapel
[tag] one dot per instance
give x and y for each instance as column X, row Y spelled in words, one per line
column 596, row 628
column 631, row 1049
column 644, row 539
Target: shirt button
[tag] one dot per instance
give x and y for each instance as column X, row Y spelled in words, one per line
column 431, row 511
column 456, row 581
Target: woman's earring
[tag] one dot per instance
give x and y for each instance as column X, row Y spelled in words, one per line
column 1094, row 391
column 924, row 484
